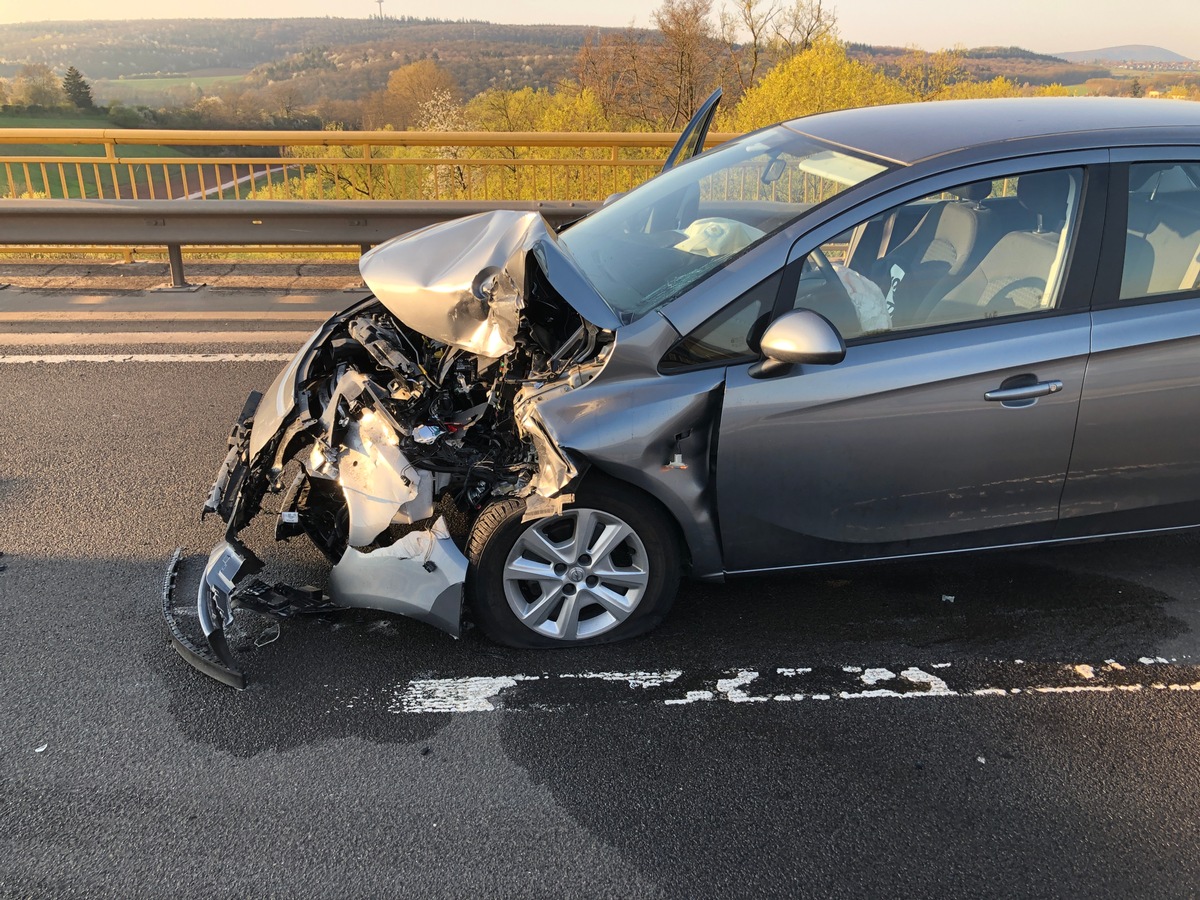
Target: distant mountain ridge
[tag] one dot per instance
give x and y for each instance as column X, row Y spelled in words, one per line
column 1144, row 53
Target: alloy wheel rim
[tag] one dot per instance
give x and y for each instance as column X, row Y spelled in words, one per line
column 576, row 575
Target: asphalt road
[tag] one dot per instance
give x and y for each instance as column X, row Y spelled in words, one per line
column 1011, row 725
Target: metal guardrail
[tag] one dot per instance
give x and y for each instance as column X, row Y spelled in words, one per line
column 176, row 224
column 107, row 163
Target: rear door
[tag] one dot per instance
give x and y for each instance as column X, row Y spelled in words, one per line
column 1136, row 463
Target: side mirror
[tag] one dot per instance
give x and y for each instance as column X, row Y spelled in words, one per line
column 799, row 336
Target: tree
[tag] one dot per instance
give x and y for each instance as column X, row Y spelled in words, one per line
column 286, row 97
column 687, row 66
column 822, row 79
column 931, row 76
column 759, row 34
column 37, row 85
column 78, row 91
column 658, row 79
column 802, row 24
column 612, row 67
column 746, row 31
column 408, row 87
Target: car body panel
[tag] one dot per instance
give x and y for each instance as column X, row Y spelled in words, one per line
column 279, row 399
column 419, row 576
column 895, row 449
column 1136, row 453
column 911, row 132
column 463, row 282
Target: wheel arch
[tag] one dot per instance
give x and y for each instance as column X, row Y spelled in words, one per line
column 695, row 528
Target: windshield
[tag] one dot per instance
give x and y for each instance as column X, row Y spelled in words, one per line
column 646, row 248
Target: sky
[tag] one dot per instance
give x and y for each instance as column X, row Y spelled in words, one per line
column 1044, row 26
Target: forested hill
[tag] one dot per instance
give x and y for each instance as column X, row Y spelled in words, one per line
column 985, row 63
column 112, row 49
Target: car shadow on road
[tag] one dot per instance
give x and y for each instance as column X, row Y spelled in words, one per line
column 341, row 673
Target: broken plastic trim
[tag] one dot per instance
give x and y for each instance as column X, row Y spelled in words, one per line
column 198, row 658
column 228, row 563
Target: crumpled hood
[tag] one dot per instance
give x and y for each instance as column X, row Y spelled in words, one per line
column 464, row 282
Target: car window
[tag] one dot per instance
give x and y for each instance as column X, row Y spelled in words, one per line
column 732, row 334
column 659, row 240
column 979, row 251
column 1162, row 237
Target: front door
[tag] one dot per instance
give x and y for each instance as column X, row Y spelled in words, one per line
column 948, row 428
column 896, row 450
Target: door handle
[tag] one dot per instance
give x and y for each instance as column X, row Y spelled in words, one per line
column 1024, row 392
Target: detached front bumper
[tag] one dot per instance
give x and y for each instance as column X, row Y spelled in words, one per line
column 420, row 575
column 228, row 563
column 215, row 660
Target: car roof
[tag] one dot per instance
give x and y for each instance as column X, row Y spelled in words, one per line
column 910, row 132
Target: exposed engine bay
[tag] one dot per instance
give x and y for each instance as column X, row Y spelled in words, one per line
column 376, row 424
column 395, row 420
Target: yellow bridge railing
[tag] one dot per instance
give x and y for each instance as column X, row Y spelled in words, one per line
column 136, row 164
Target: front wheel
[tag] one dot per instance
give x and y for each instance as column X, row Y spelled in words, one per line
column 604, row 570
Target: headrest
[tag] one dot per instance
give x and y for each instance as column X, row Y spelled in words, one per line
column 1045, row 193
column 973, row 192
column 1140, row 175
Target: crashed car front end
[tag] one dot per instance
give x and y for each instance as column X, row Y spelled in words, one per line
column 422, row 395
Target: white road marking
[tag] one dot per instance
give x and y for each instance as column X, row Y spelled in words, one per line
column 454, row 694
column 675, row 687
column 732, row 688
column 122, row 338
column 633, row 679
column 159, row 315
column 873, row 676
column 58, row 358
column 937, row 687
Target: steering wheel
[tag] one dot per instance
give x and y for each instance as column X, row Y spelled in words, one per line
column 832, row 300
column 820, row 262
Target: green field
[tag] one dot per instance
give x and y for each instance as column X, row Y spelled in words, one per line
column 163, row 84
column 71, row 182
column 26, row 120
column 152, row 90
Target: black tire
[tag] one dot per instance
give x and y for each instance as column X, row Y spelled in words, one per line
column 495, row 537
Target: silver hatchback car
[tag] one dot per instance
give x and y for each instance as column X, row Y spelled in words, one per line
column 863, row 335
